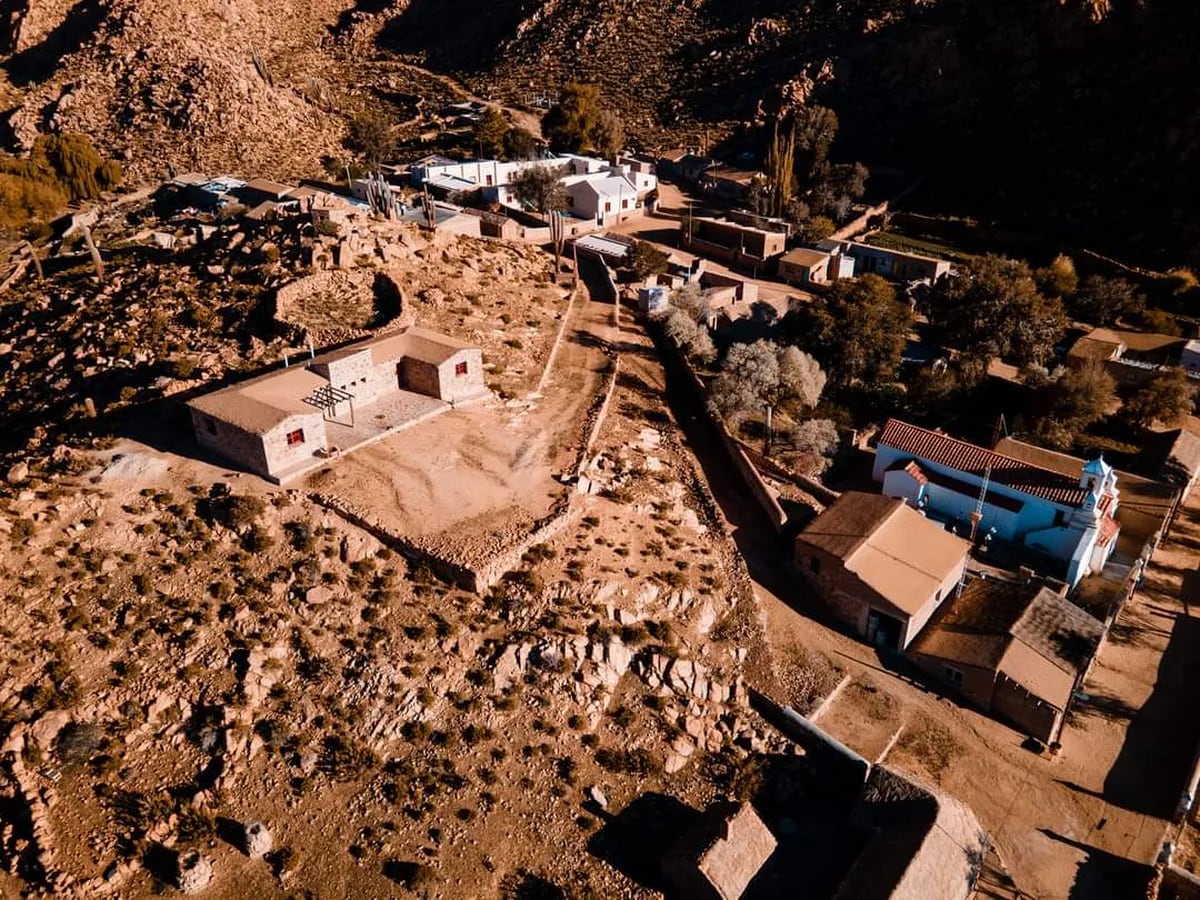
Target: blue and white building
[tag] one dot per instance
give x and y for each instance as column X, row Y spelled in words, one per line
column 1070, row 523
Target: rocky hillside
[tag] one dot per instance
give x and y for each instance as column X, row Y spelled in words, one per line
column 197, row 84
column 1023, row 111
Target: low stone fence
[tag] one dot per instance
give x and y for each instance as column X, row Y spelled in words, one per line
column 558, row 337
column 470, row 575
column 806, row 482
column 594, row 420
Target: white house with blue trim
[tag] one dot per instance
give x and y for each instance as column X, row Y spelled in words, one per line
column 1071, row 523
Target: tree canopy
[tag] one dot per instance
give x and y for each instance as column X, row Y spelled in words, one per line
column 520, row 143
column 579, row 122
column 645, row 260
column 490, row 132
column 755, row 376
column 540, row 188
column 1067, row 401
column 1166, row 398
column 370, row 135
column 859, row 330
column 61, row 168
column 1103, row 301
column 991, row 307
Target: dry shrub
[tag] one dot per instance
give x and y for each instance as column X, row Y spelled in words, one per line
column 930, row 743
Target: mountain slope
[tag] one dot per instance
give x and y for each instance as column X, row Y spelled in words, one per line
column 177, row 82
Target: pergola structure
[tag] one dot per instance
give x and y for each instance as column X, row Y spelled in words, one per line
column 327, row 397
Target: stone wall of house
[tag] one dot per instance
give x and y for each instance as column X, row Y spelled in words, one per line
column 1012, row 702
column 461, row 387
column 421, row 377
column 280, row 456
column 235, row 444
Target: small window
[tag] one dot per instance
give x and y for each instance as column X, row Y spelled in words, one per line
column 624, row 204
column 460, row 369
column 814, row 565
column 211, row 424
column 953, row 675
column 489, row 180
column 607, row 206
column 296, row 437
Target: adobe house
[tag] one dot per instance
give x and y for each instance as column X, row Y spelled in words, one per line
column 732, row 243
column 282, row 424
column 880, row 565
column 1016, row 649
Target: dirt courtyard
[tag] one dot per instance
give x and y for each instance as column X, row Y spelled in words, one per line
column 467, row 464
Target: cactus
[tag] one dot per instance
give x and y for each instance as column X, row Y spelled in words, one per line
column 97, row 261
column 37, row 263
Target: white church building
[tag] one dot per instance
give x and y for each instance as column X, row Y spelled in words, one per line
column 1070, row 522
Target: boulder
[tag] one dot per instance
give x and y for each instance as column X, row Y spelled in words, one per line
column 256, row 840
column 193, row 872
column 18, row 473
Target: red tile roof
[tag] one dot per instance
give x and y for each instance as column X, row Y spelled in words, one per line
column 943, row 450
column 1109, row 528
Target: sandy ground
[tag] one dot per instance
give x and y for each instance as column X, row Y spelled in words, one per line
column 457, row 467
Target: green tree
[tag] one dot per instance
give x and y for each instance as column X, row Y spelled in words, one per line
column 26, row 201
column 540, row 188
column 645, row 260
column 520, row 143
column 570, row 124
column 608, row 135
column 816, row 128
column 780, row 186
column 992, row 308
column 860, row 329
column 1160, row 322
column 490, row 132
column 1104, row 301
column 1166, row 398
column 689, row 336
column 370, row 135
column 1068, row 401
column 579, row 122
column 817, row 229
column 76, row 165
column 1058, row 279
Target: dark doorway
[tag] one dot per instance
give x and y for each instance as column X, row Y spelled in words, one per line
column 883, row 631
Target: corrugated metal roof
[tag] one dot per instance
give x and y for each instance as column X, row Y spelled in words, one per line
column 1018, row 475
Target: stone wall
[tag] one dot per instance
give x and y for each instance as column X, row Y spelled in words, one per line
column 454, row 388
column 475, row 575
column 239, row 446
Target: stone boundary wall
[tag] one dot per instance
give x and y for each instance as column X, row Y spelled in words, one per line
column 596, row 415
column 562, row 330
column 761, row 491
column 807, row 482
column 444, row 568
column 289, row 295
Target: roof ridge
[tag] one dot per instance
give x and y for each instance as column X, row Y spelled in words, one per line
column 864, row 538
column 942, row 435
